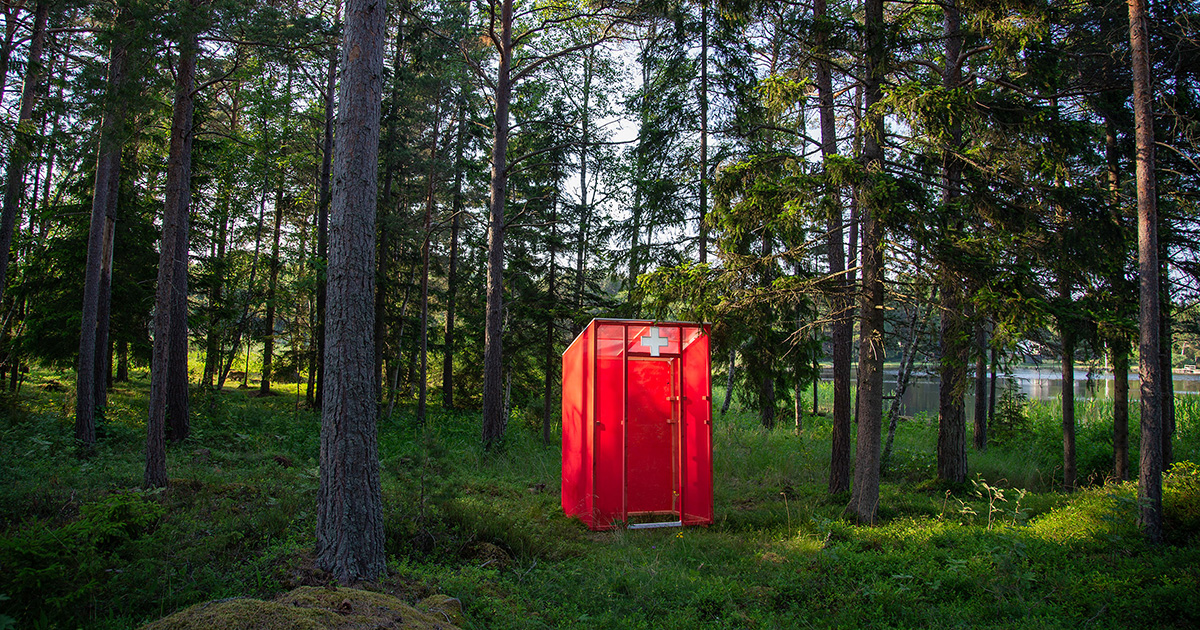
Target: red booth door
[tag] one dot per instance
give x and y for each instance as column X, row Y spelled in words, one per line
column 652, row 437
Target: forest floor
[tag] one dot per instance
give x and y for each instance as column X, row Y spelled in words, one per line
column 82, row 546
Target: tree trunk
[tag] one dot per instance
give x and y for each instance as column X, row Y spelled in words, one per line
column 493, row 405
column 703, row 227
column 842, row 327
column 1068, row 404
column 864, row 497
column 902, row 378
column 550, row 355
column 106, row 186
column 171, row 263
column 1118, row 343
column 452, row 270
column 981, row 387
column 729, row 381
column 1166, row 340
column 18, row 156
column 1150, row 368
column 585, row 212
column 323, row 210
column 423, row 378
column 349, row 504
column 955, row 334
column 264, row 387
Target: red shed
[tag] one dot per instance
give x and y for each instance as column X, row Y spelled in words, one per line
column 637, row 424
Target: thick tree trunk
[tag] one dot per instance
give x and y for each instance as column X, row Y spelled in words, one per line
column 981, row 386
column 171, row 263
column 18, row 156
column 864, row 497
column 104, row 193
column 955, row 332
column 842, row 327
column 1150, row 368
column 493, row 404
column 349, row 504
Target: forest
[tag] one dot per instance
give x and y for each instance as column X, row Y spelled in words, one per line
column 332, row 252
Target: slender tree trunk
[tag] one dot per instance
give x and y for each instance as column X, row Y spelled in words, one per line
column 1166, row 341
column 585, row 213
column 123, row 361
column 350, row 541
column 729, row 381
column 264, row 387
column 981, row 386
column 550, row 355
column 902, row 378
column 323, row 209
column 18, row 156
column 1068, row 404
column 704, row 134
column 423, row 379
column 171, row 263
column 452, row 270
column 864, row 497
column 1150, row 368
column 1118, row 343
column 493, row 404
column 108, row 168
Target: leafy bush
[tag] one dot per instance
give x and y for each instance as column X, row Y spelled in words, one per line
column 1181, row 503
column 60, row 568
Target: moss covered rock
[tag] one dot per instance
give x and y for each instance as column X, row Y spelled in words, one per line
column 317, row 608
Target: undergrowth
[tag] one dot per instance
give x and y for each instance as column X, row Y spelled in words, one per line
column 82, row 547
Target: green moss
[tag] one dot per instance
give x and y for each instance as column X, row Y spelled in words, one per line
column 315, row 608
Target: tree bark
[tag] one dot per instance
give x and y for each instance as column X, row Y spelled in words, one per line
column 452, row 270
column 349, row 504
column 550, row 355
column 955, row 334
column 105, row 188
column 423, row 379
column 981, row 386
column 1166, row 341
column 1068, row 403
column 171, row 262
column 1118, row 343
column 323, row 210
column 18, row 156
column 842, row 327
column 1150, row 368
column 864, row 497
column 493, row 404
column 703, row 227
column 264, row 387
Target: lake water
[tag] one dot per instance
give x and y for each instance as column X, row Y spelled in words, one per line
column 1039, row 384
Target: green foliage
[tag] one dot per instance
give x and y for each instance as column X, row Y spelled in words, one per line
column 486, row 527
column 64, row 567
column 1181, row 503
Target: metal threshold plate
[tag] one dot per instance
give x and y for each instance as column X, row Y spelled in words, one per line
column 653, row 525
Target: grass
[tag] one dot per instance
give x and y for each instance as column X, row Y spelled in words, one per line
column 82, row 547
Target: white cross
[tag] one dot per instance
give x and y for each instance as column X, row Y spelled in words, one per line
column 654, row 342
